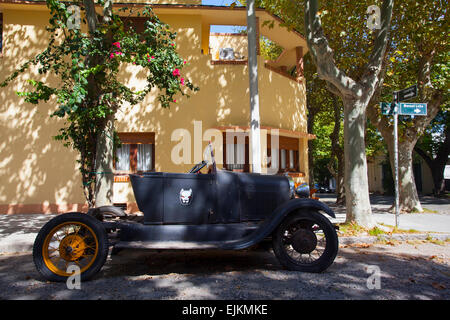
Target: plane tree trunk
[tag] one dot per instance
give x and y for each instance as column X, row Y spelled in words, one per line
column 355, row 96
column 409, row 134
column 104, row 154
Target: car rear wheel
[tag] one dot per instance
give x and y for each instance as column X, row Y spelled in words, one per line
column 305, row 241
column 70, row 239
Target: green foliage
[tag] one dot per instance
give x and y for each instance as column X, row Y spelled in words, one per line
column 89, row 86
column 269, row 49
column 434, row 137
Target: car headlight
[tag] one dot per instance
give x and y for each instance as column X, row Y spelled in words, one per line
column 291, row 186
column 303, row 191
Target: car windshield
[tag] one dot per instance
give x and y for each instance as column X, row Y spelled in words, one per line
column 208, row 154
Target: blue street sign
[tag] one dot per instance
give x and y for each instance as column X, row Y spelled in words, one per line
column 413, row 109
column 386, row 108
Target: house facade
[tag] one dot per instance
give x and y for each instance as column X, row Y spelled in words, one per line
column 381, row 181
column 40, row 175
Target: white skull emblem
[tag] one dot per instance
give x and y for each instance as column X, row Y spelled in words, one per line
column 185, row 197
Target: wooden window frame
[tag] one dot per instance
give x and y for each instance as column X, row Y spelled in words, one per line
column 138, row 23
column 1, row 34
column 134, row 139
column 246, row 151
column 286, row 143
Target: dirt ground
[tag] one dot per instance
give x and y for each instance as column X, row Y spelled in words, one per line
column 413, row 270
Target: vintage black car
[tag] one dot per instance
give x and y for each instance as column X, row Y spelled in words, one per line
column 215, row 210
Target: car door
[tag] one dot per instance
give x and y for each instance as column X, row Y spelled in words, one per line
column 188, row 198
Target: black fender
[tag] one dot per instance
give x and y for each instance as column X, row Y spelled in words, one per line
column 272, row 222
column 99, row 211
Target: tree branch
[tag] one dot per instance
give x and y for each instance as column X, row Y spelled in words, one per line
column 91, row 15
column 321, row 52
column 424, row 156
column 378, row 54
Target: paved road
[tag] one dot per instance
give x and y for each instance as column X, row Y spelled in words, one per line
column 419, row 271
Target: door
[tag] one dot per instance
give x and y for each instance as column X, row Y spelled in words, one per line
column 189, row 198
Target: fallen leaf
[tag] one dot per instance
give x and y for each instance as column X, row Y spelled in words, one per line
column 362, row 245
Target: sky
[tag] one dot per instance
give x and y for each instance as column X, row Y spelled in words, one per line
column 221, row 29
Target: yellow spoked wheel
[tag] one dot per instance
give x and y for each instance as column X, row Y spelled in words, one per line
column 70, row 239
column 70, row 243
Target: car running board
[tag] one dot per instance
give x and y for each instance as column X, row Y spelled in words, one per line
column 172, row 245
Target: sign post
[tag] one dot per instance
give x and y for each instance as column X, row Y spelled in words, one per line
column 395, row 108
column 397, row 199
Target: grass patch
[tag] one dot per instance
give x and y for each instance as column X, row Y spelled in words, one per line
column 352, row 229
column 376, row 231
column 425, row 210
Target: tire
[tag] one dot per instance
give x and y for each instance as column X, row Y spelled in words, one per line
column 295, row 237
column 86, row 246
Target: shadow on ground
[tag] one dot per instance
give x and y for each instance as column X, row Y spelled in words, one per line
column 251, row 274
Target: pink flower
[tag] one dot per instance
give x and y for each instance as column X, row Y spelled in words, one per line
column 117, row 44
column 111, row 55
column 184, row 62
column 176, row 72
column 182, row 81
column 175, row 100
column 153, row 57
column 172, row 44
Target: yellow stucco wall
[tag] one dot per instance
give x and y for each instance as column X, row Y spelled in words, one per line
column 39, row 174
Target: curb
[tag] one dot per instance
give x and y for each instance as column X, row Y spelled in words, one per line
column 17, row 243
column 21, row 245
column 397, row 237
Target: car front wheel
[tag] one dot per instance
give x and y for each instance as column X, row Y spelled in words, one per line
column 305, row 241
column 70, row 239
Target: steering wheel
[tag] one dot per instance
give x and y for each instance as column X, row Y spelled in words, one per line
column 199, row 166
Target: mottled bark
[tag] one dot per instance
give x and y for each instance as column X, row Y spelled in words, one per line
column 408, row 196
column 408, row 136
column 104, row 155
column 356, row 96
column 355, row 178
column 104, row 164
